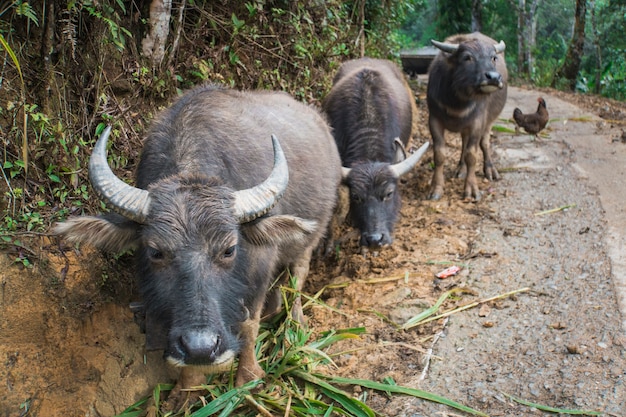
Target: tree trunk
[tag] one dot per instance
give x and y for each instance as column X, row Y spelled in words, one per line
column 153, row 45
column 532, row 34
column 596, row 43
column 521, row 37
column 526, row 35
column 477, row 16
column 362, row 27
column 569, row 70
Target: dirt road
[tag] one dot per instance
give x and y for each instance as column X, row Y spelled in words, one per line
column 561, row 344
column 69, row 346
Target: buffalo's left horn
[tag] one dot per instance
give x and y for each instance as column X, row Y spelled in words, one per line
column 445, row 47
column 258, row 200
column 132, row 203
column 405, row 166
column 499, row 47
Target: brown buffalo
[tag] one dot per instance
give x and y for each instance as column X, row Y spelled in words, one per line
column 467, row 88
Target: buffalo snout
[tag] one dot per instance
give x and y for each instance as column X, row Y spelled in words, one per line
column 375, row 240
column 493, row 82
column 199, row 347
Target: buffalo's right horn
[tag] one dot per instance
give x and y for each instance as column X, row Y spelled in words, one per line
column 445, row 47
column 258, row 200
column 132, row 203
column 405, row 166
column 499, row 47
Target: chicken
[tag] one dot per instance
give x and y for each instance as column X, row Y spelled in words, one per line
column 532, row 123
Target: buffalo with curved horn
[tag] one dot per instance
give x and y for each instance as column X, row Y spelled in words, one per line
column 215, row 217
column 467, row 89
column 372, row 112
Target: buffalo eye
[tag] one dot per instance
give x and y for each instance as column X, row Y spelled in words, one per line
column 468, row 58
column 154, row 254
column 357, row 199
column 388, row 195
column 230, row 252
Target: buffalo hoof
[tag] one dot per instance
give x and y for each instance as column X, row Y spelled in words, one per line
column 461, row 171
column 436, row 192
column 472, row 195
column 248, row 372
column 491, row 173
column 186, row 392
column 435, row 195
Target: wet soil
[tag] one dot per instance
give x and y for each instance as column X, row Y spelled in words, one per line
column 69, row 346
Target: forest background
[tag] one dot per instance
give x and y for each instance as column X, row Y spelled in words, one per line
column 68, row 68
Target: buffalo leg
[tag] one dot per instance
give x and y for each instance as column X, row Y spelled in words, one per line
column 461, row 168
column 439, row 147
column 471, row 184
column 249, row 369
column 300, row 270
column 489, row 169
column 183, row 394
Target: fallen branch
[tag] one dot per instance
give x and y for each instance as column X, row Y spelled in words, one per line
column 429, row 352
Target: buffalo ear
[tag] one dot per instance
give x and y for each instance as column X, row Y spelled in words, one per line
column 399, row 151
column 110, row 233
column 277, row 230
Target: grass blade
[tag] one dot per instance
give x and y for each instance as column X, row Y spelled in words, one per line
column 228, row 400
column 352, row 405
column 553, row 409
column 416, row 320
column 398, row 389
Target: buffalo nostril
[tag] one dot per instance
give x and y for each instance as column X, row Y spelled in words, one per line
column 493, row 75
column 373, row 239
column 200, row 347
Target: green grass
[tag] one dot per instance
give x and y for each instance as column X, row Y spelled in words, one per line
column 297, row 382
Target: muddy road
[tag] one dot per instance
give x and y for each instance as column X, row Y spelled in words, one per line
column 69, row 346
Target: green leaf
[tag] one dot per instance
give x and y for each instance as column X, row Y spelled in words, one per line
column 552, row 409
column 398, row 389
column 414, row 321
column 224, row 401
column 356, row 407
column 238, row 24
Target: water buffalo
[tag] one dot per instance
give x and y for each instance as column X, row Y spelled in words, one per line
column 372, row 110
column 467, row 87
column 215, row 216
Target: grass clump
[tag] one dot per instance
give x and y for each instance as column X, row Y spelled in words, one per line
column 296, row 382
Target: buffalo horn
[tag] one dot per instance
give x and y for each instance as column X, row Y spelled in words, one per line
column 132, row 203
column 256, row 201
column 405, row 166
column 445, row 47
column 499, row 47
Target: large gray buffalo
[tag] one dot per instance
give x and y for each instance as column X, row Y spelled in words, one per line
column 232, row 188
column 467, row 88
column 372, row 112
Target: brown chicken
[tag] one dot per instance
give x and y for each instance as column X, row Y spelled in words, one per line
column 532, row 123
